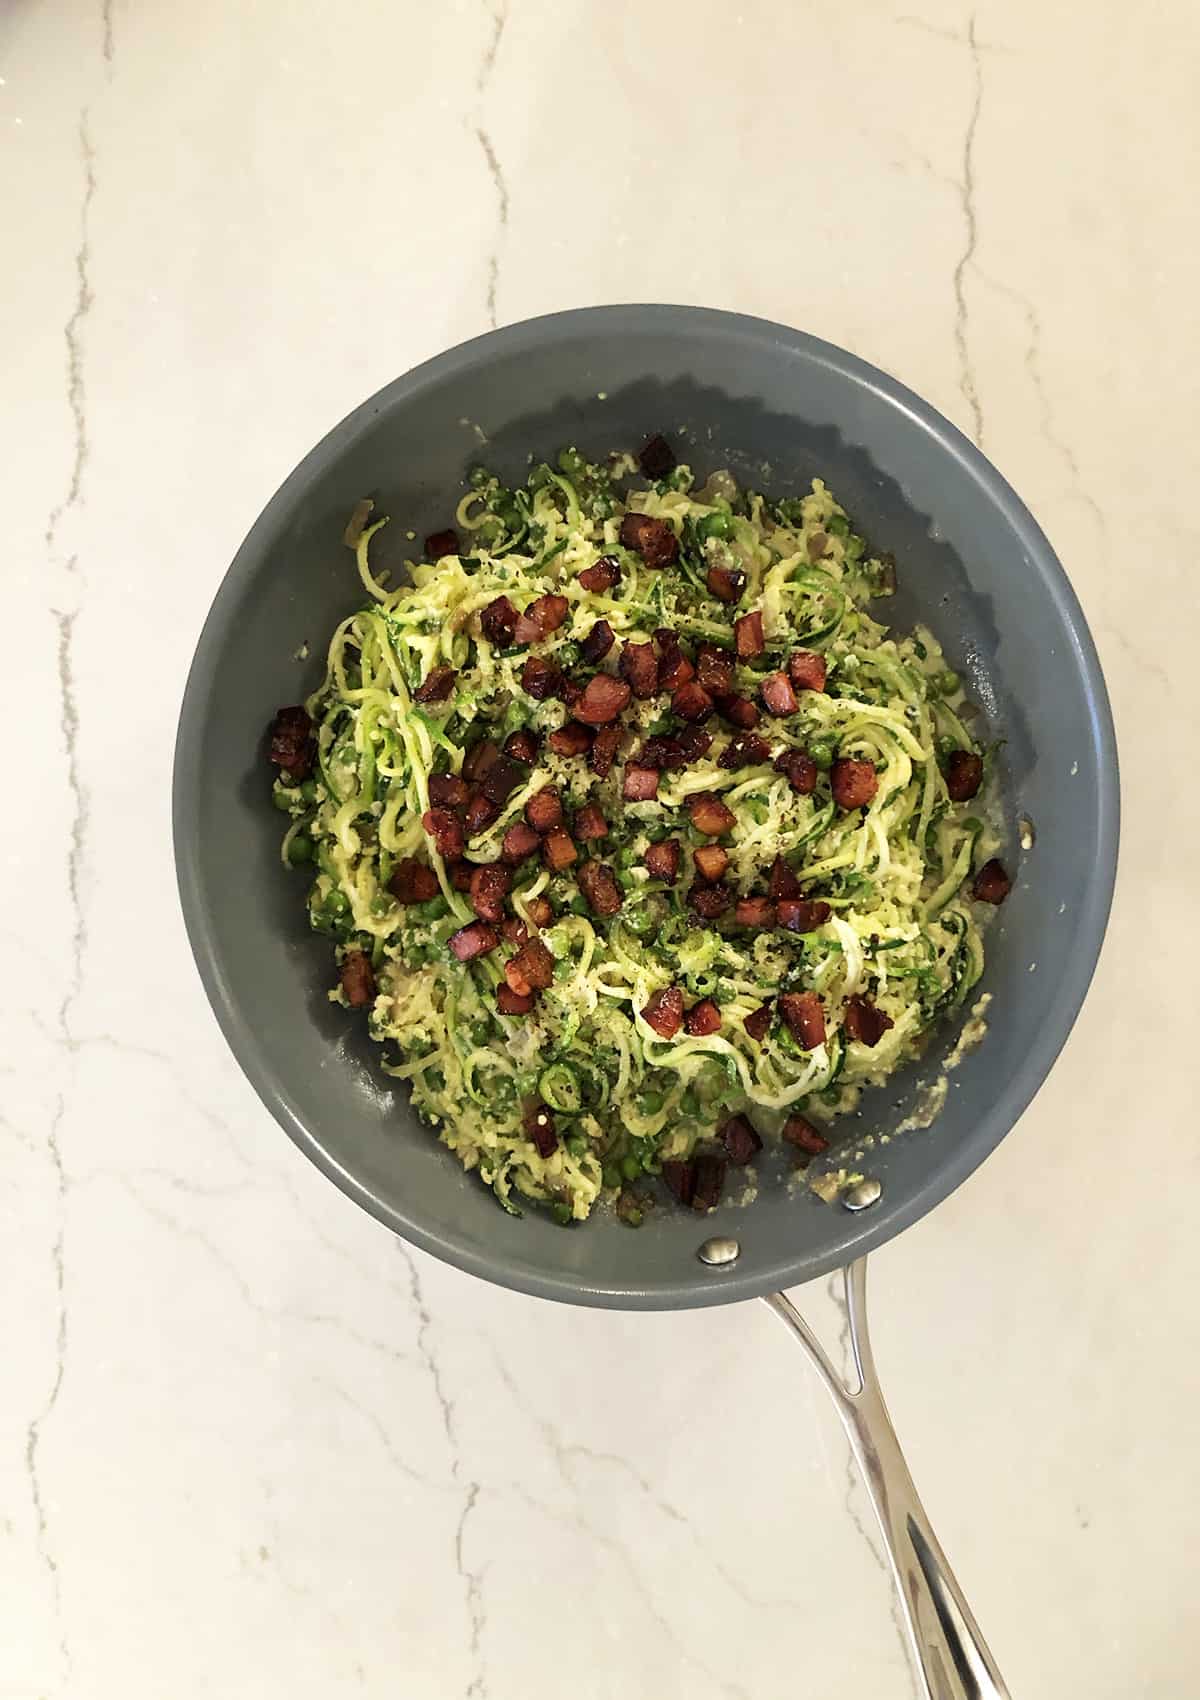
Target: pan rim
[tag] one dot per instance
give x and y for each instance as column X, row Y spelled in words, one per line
column 698, row 1286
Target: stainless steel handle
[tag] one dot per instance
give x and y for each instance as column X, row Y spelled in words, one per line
column 950, row 1653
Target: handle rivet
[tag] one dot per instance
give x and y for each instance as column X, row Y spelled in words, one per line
column 719, row 1253
column 863, row 1194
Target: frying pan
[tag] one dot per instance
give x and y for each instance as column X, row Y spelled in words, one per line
column 778, row 408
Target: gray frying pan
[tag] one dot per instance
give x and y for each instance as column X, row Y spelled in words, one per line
column 778, row 408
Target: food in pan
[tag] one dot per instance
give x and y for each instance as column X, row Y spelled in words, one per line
column 640, row 838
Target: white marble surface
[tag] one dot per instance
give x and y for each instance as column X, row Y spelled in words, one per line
column 249, row 1445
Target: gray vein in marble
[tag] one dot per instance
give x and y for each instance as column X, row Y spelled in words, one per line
column 73, row 334
column 77, row 835
column 497, row 176
column 564, row 1453
column 373, row 1275
column 106, row 19
column 966, row 377
column 127, row 1181
column 319, row 1598
column 499, row 17
column 18, row 1135
column 124, row 1047
column 380, row 1431
column 962, row 187
column 642, row 1585
column 202, row 1190
column 939, row 30
column 69, row 727
column 1033, row 366
column 68, row 712
column 425, row 1349
column 1115, row 629
column 926, row 164
column 498, row 13
column 472, row 1580
column 945, row 34
column 33, row 1434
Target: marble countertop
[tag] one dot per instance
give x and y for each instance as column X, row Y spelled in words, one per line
column 251, row 1446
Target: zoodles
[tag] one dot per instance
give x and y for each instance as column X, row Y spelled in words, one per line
column 638, row 834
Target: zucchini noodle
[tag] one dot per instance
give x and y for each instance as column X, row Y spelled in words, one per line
column 891, row 877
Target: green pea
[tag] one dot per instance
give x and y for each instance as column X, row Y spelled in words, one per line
column 838, row 525
column 630, row 1167
column 626, row 858
column 433, row 909
column 821, row 751
column 716, row 524
column 577, row 1144
column 478, row 477
column 578, row 906
column 626, row 880
column 610, row 1175
column 641, row 921
column 558, row 942
column 283, row 801
column 480, row 1031
column 650, row 1103
column 568, row 655
column 309, row 791
column 947, row 681
column 689, row 1103
column 300, row 849
column 570, row 461
column 656, row 728
column 563, row 1214
column 657, row 831
column 337, row 904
